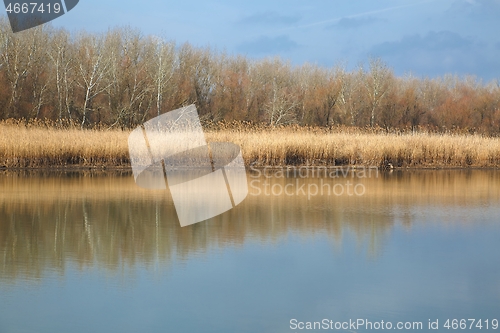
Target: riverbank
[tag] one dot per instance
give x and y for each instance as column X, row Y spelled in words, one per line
column 47, row 147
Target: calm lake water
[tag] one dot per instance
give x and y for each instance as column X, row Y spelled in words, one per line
column 92, row 252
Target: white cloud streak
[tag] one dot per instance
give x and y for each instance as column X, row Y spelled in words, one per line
column 378, row 11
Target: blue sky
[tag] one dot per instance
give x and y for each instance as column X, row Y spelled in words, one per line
column 425, row 38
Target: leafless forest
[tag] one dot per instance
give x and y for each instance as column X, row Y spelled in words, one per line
column 121, row 78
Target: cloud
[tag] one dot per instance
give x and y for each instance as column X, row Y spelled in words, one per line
column 476, row 9
column 433, row 41
column 268, row 45
column 354, row 23
column 269, row 18
column 442, row 52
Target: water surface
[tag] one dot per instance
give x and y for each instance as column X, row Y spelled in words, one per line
column 92, row 252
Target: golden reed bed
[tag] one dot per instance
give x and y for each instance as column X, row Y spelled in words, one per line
column 29, row 146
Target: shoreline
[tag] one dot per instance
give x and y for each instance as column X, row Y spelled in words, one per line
column 128, row 169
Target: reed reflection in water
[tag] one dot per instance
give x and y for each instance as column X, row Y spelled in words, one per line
column 52, row 224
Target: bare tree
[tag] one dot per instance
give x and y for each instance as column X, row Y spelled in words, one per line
column 18, row 57
column 204, row 81
column 129, row 90
column 93, row 67
column 350, row 100
column 281, row 109
column 232, row 87
column 315, row 92
column 39, row 76
column 162, row 65
column 62, row 62
column 377, row 85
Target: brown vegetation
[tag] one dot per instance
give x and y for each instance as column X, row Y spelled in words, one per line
column 121, row 78
column 36, row 146
column 32, row 146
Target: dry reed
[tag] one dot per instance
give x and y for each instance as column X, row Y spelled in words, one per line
column 24, row 146
column 302, row 146
column 36, row 146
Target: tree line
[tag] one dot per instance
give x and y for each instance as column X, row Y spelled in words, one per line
column 121, row 78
